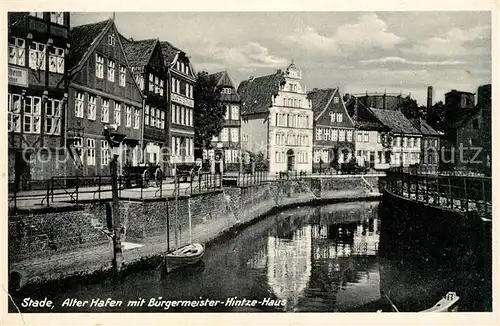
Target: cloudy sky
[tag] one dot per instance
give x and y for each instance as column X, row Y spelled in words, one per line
column 358, row 51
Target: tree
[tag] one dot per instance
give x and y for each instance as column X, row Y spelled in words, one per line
column 411, row 110
column 209, row 111
column 436, row 116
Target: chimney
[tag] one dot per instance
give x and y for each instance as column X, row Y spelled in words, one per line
column 429, row 97
column 251, row 78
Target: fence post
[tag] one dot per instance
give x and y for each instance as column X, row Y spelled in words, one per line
column 16, row 184
column 417, row 181
column 426, row 178
column 99, row 188
column 438, row 193
column 191, row 184
column 48, row 193
column 52, row 188
column 483, row 192
column 466, row 195
column 77, row 189
column 449, row 192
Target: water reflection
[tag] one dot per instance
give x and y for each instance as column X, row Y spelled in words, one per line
column 323, row 259
column 316, row 258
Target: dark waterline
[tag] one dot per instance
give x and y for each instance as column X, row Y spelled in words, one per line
column 308, row 259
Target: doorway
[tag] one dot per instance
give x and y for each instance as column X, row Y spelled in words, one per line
column 290, row 166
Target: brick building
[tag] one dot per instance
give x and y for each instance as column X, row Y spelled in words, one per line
column 229, row 140
column 181, row 79
column 148, row 67
column 333, row 127
column 102, row 92
column 37, row 95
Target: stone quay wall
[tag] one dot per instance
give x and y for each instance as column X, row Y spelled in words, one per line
column 72, row 242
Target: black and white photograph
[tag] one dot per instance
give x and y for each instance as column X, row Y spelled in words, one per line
column 248, row 162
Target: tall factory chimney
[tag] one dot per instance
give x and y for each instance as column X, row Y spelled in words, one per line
column 429, row 97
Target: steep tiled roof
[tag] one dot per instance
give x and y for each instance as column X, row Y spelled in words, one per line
column 256, row 94
column 82, row 38
column 169, row 51
column 138, row 52
column 15, row 18
column 395, row 120
column 424, row 127
column 223, row 79
column 363, row 118
column 319, row 99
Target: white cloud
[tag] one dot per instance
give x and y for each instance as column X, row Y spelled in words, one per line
column 368, row 32
column 412, row 62
column 453, row 43
column 247, row 57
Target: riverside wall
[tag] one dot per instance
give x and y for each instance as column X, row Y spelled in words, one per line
column 70, row 243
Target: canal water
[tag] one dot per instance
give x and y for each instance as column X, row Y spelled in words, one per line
column 308, row 259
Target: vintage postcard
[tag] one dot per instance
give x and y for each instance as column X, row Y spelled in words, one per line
column 274, row 162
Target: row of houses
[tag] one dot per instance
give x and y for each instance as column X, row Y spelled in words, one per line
column 299, row 130
column 68, row 85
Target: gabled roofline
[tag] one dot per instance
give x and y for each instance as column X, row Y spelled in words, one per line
column 327, row 104
column 127, row 63
column 91, row 49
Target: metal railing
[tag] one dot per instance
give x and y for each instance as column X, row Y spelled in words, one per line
column 77, row 189
column 255, row 178
column 459, row 192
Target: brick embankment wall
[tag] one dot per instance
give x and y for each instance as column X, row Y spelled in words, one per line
column 59, row 245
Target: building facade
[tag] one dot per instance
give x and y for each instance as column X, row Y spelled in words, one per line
column 406, row 139
column 277, row 120
column 37, row 96
column 229, row 140
column 102, row 93
column 333, row 128
column 430, row 147
column 148, row 67
column 181, row 79
column 457, row 105
column 371, row 148
column 484, row 104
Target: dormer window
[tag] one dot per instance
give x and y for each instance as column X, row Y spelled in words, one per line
column 111, row 40
column 57, row 18
column 37, row 14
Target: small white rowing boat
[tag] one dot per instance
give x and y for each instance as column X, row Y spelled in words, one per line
column 187, row 255
column 448, row 303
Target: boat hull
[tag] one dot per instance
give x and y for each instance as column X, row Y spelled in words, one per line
column 187, row 255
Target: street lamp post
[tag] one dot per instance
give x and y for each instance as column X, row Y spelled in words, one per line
column 115, row 139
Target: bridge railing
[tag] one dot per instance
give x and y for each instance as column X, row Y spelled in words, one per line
column 460, row 192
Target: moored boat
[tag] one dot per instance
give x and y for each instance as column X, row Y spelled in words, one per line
column 448, row 303
column 187, row 255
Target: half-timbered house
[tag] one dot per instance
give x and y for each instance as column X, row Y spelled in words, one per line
column 333, row 128
column 102, row 93
column 37, row 91
column 146, row 61
column 229, row 140
column 181, row 78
